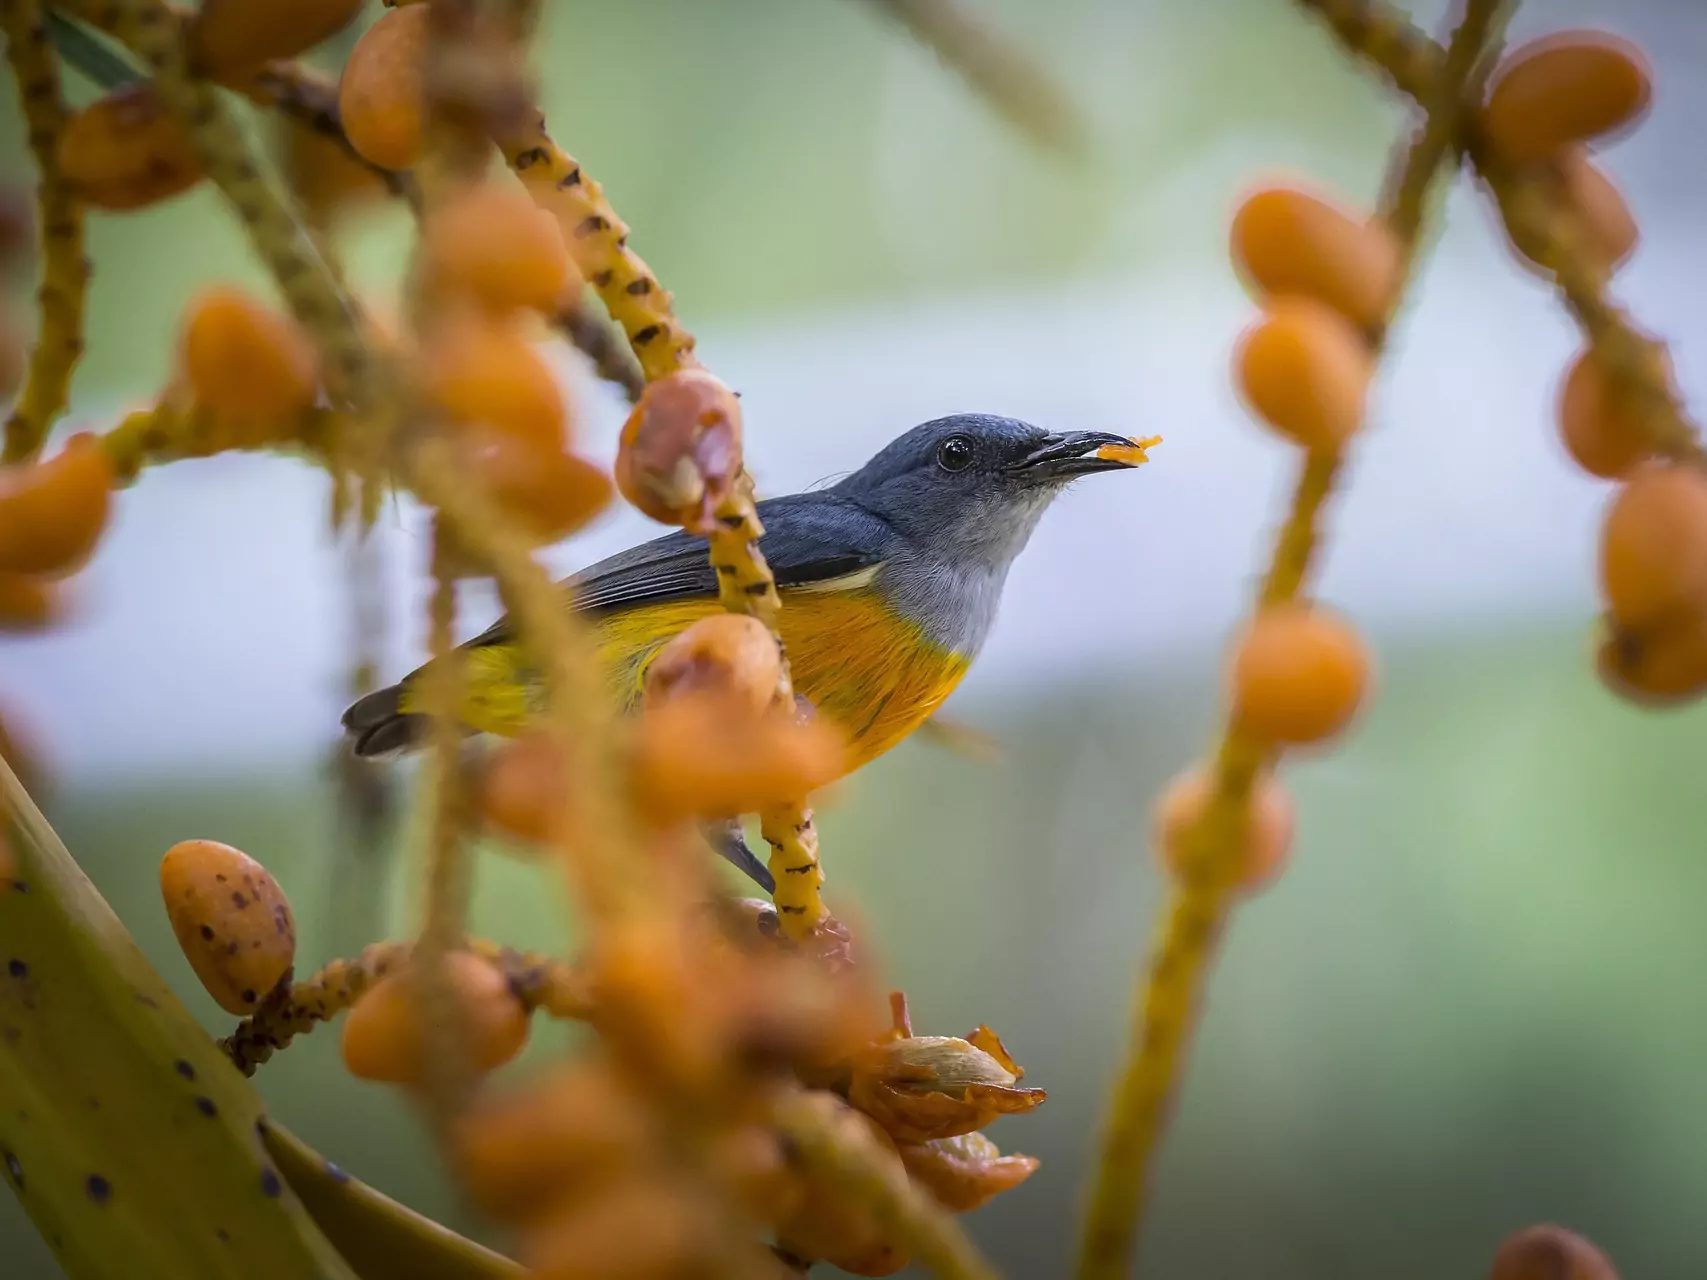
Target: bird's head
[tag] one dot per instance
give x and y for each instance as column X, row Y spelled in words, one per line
column 973, row 486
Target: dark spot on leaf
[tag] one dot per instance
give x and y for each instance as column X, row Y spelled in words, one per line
column 270, row 1184
column 17, row 968
column 206, row 1107
column 335, row 1173
column 100, row 1190
column 185, row 1069
column 222, row 1235
column 14, row 1170
column 20, row 886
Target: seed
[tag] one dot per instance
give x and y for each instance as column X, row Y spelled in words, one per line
column 1602, row 429
column 383, row 1037
column 725, row 653
column 498, row 246
column 680, row 453
column 381, row 98
column 125, row 150
column 246, row 364
column 1299, row 675
column 489, row 373
column 1288, row 242
column 52, row 513
column 1305, row 371
column 1566, row 87
column 1268, row 832
column 1653, row 546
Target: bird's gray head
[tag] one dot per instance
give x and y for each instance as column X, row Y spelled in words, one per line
column 968, row 490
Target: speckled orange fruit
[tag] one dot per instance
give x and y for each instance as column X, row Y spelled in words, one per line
column 125, row 150
column 383, row 1037
column 680, row 451
column 231, row 919
column 1299, row 675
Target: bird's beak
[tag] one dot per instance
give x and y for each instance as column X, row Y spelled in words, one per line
column 1080, row 453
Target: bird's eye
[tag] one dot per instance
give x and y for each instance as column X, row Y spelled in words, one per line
column 954, row 454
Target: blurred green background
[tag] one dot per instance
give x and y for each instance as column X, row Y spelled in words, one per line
column 1472, row 1003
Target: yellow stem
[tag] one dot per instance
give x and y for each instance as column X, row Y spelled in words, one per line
column 65, row 271
column 1167, row 999
column 599, row 241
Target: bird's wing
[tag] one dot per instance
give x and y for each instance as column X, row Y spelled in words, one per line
column 809, row 538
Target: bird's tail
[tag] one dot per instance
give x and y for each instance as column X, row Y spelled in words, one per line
column 378, row 725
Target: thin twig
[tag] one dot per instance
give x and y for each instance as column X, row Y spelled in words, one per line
column 65, row 271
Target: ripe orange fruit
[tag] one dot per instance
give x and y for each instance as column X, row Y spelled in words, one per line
column 1268, row 836
column 52, row 513
column 522, row 789
column 1663, row 666
column 726, row 653
column 248, row 365
column 1287, row 241
column 549, row 492
column 1601, row 430
column 1305, row 370
column 383, row 1037
column 231, row 39
column 381, row 95
column 1298, row 675
column 125, row 150
column 1606, row 218
column 1653, row 546
column 231, row 919
column 1566, row 87
column 489, row 373
column 680, row 452
column 1548, row 1252
column 496, row 245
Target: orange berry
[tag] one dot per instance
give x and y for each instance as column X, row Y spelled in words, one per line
column 831, row 1226
column 1663, row 666
column 495, row 244
column 490, row 373
column 1602, row 430
column 1569, row 86
column 680, row 452
column 381, row 95
column 383, row 1037
column 1268, row 837
column 325, row 177
column 725, row 653
column 1606, row 218
column 1289, row 242
column 1548, row 1252
column 632, row 1229
column 232, row 39
column 1298, row 675
column 522, row 789
column 28, row 603
column 550, row 493
column 1305, row 370
column 125, row 150
column 699, row 756
column 52, row 513
column 231, row 919
column 245, row 363
column 579, row 1123
column 1653, row 546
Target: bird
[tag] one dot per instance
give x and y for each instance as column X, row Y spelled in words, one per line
column 890, row 581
